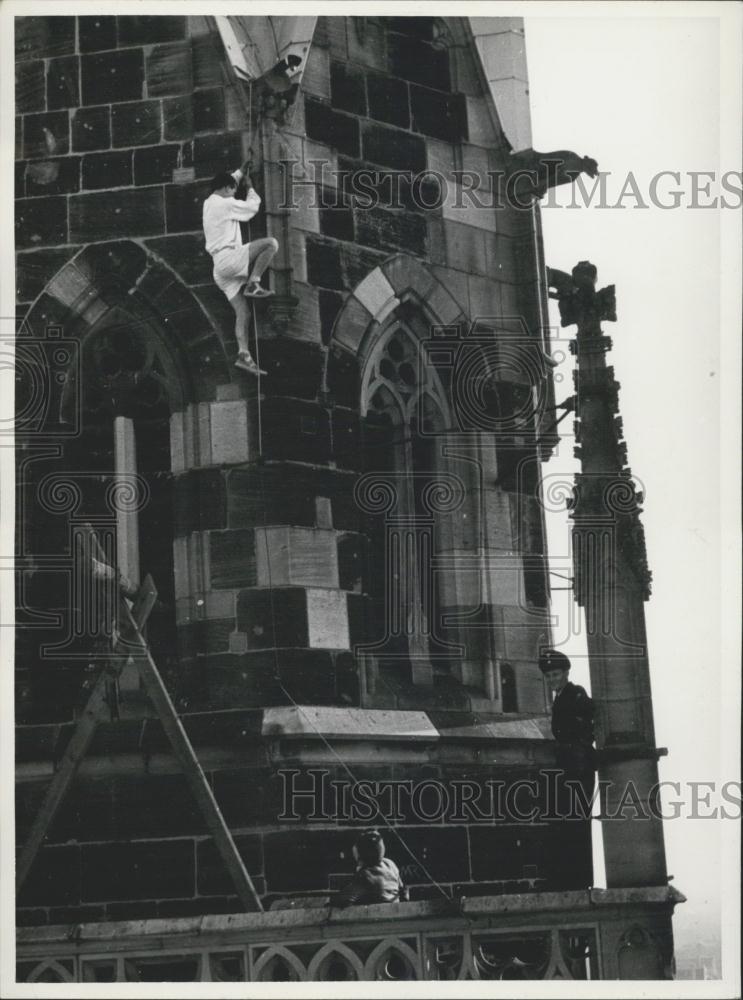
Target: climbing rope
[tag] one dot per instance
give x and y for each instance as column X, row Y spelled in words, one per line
column 237, row 84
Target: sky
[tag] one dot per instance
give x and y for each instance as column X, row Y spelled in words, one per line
column 643, row 95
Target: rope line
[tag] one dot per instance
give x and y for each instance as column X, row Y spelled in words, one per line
column 238, row 85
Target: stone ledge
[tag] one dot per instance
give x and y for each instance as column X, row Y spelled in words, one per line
column 123, row 935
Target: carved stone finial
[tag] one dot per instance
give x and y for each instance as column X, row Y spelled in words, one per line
column 578, row 300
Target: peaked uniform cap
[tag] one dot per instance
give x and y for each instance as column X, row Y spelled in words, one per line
column 552, row 659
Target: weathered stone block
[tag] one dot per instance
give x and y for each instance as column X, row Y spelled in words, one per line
column 347, row 88
column 323, row 263
column 496, row 513
column 108, row 77
column 305, row 323
column 484, row 296
column 440, row 157
column 185, row 254
column 414, row 59
column 168, row 70
column 366, row 43
column 155, row 164
column 393, row 148
column 316, row 75
column 63, row 82
column 100, row 216
column 331, row 33
column 200, row 501
column 96, row 33
column 531, row 692
column 151, row 805
column 443, row 116
column 334, row 128
column 295, row 368
column 209, row 110
column 439, row 852
column 141, row 870
column 34, row 270
column 499, row 852
column 355, row 322
column 220, row 604
column 357, row 262
column 230, row 432
column 46, row 134
column 44, row 37
column 232, row 558
column 352, row 554
column 29, row 86
column 465, row 246
column 330, row 305
column 308, row 676
column 524, row 630
column 273, row 619
column 337, row 223
column 481, row 129
column 388, row 100
column 91, row 129
column 297, row 557
column 421, row 28
column 203, row 638
column 59, row 176
column 40, row 221
column 457, row 207
column 500, row 255
column 300, row 431
column 212, row 875
column 303, row 859
column 19, row 170
column 327, row 617
column 390, row 230
column 278, row 495
column 146, row 30
column 107, row 170
column 212, row 153
column 136, row 124
column 207, row 53
column 55, row 876
column 177, row 115
column 184, row 206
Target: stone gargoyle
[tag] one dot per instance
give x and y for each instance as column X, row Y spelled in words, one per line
column 532, row 174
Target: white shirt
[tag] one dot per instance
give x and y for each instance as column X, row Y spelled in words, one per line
column 222, row 218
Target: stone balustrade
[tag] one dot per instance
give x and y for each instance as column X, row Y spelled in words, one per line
column 595, row 934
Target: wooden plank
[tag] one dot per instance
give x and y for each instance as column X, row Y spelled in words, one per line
column 192, row 769
column 93, row 713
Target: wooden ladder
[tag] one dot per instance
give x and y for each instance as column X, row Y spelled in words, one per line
column 130, row 644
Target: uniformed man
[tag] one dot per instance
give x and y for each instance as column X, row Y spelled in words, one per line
column 572, row 727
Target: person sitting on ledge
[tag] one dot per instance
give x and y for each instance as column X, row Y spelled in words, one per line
column 377, row 878
column 238, row 266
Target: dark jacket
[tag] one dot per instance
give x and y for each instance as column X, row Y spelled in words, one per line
column 572, row 727
column 377, row 883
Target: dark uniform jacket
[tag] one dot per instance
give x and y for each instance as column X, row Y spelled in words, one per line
column 572, row 727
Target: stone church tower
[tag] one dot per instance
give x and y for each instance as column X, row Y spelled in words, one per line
column 349, row 554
